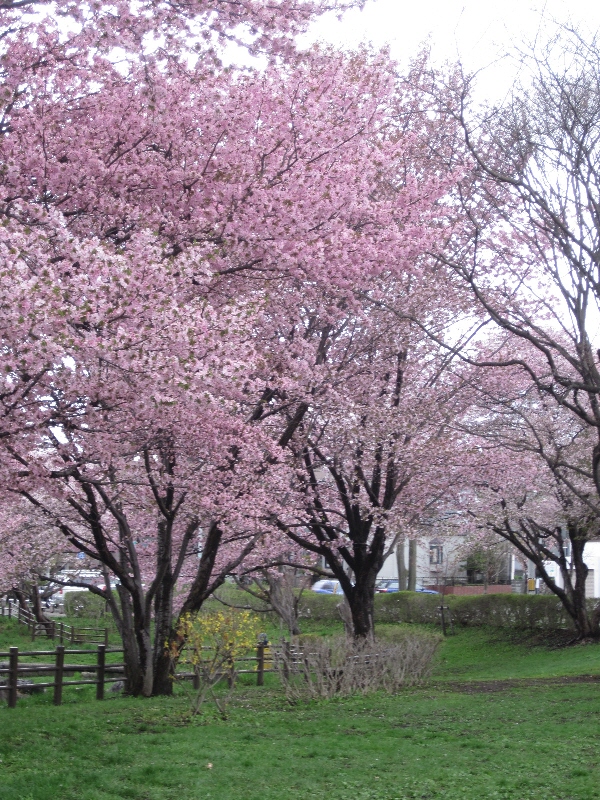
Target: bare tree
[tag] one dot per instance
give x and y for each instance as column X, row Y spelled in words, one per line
column 529, row 247
column 281, row 590
column 527, row 251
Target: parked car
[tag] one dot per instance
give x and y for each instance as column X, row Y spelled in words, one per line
column 327, row 587
column 386, row 587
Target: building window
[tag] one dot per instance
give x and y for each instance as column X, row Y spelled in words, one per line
column 436, row 554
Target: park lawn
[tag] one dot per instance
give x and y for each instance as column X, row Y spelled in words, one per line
column 14, row 635
column 453, row 738
column 471, row 654
column 491, row 654
column 519, row 743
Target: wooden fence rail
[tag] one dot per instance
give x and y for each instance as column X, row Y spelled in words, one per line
column 15, row 670
column 13, row 674
column 52, row 629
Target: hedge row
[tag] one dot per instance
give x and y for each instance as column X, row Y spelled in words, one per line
column 541, row 612
column 84, row 604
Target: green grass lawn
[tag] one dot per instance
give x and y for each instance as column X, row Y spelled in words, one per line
column 453, row 738
column 14, row 635
column 531, row 744
column 476, row 654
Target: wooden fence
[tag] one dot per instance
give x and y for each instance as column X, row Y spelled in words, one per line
column 16, row 671
column 53, row 629
column 12, row 674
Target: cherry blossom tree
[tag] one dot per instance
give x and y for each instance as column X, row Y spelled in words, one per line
column 523, row 249
column 167, row 222
column 134, row 442
column 368, row 456
column 527, row 478
column 30, row 548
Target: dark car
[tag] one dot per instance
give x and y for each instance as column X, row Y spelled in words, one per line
column 327, row 587
column 387, row 586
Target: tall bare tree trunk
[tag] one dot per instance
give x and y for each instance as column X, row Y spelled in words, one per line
column 412, row 565
column 401, row 565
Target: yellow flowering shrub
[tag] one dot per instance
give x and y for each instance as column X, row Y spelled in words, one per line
column 214, row 642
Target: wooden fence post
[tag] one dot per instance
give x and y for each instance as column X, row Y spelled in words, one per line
column 58, row 674
column 72, row 634
column 61, row 632
column 13, row 676
column 10, row 609
column 287, row 655
column 33, row 629
column 260, row 665
column 105, row 637
column 100, row 672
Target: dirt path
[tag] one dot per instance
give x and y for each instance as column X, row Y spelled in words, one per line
column 478, row 687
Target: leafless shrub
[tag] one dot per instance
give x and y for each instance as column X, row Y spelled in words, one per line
column 281, row 590
column 324, row 668
column 345, row 613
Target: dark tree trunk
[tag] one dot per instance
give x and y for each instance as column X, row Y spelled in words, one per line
column 28, row 596
column 205, row 582
column 134, row 678
column 163, row 631
column 135, row 643
column 202, row 585
column 540, row 550
column 134, row 675
column 148, row 669
column 22, row 598
column 362, row 607
column 586, row 624
column 199, row 588
column 366, row 563
column 36, row 605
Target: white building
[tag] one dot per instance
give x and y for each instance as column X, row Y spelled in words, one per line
column 591, row 557
column 443, row 560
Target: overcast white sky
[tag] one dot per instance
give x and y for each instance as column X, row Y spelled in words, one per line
column 476, row 31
